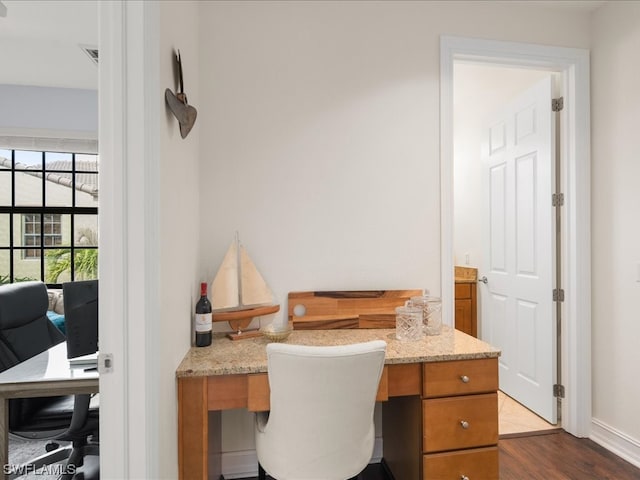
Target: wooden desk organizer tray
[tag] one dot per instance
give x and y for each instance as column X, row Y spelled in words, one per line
column 346, row 308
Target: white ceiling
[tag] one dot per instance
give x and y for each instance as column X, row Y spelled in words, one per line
column 40, row 43
column 40, row 40
column 576, row 5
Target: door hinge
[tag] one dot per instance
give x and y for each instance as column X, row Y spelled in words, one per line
column 558, row 295
column 557, row 199
column 558, row 391
column 557, row 104
column 105, row 363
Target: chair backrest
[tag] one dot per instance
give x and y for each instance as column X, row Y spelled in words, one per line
column 25, row 329
column 322, row 403
column 81, row 317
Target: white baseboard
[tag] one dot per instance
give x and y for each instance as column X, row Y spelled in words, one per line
column 240, row 464
column 616, row 441
column 244, row 463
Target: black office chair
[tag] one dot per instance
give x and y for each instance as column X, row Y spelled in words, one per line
column 25, row 331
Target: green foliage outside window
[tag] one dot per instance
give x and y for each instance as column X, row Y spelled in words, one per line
column 85, row 260
column 4, row 279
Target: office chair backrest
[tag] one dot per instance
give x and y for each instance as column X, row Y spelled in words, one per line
column 322, row 402
column 81, row 317
column 25, row 329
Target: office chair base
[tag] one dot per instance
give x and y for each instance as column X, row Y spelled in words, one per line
column 80, row 450
column 73, row 454
column 37, row 463
column 28, row 435
column 51, row 446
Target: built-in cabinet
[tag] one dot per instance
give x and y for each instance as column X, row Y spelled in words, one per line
column 466, row 303
column 466, row 308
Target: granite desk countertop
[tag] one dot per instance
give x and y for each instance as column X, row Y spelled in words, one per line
column 464, row 280
column 227, row 357
column 465, row 274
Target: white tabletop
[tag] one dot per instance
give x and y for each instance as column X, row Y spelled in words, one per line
column 47, row 368
column 47, row 374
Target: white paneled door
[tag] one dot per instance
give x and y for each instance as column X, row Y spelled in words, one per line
column 518, row 312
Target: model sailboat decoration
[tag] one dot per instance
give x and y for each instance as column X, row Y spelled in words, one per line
column 239, row 293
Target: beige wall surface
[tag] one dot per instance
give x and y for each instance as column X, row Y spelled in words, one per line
column 181, row 217
column 319, row 143
column 321, row 123
column 320, row 137
column 615, row 228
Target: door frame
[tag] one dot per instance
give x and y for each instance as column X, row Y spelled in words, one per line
column 575, row 172
column 129, row 237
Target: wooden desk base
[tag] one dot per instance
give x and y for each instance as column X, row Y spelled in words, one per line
column 200, row 400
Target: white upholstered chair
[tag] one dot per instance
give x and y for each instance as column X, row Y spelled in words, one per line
column 322, row 400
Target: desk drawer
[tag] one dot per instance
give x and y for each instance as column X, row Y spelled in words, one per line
column 460, row 377
column 459, row 422
column 475, row 464
column 403, row 379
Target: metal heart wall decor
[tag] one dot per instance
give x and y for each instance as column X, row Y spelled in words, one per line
column 184, row 113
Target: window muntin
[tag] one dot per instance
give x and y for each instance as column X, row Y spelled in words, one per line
column 48, row 216
column 36, row 229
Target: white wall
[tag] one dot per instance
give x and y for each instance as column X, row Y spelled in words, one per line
column 320, row 139
column 295, row 97
column 615, row 227
column 181, row 216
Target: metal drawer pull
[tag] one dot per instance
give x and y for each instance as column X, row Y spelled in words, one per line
column 464, row 379
column 464, row 477
column 464, row 424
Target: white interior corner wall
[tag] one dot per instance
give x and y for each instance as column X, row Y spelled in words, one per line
column 616, row 232
column 309, row 108
column 321, row 137
column 322, row 149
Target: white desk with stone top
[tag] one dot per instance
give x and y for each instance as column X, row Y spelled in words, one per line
column 47, row 374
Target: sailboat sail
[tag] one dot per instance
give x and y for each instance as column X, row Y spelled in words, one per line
column 224, row 289
column 253, row 289
column 238, row 283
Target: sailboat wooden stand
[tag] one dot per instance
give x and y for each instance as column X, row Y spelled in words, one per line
column 240, row 320
column 239, row 293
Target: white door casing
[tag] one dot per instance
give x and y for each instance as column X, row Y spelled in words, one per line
column 519, row 247
column 129, row 237
column 575, row 175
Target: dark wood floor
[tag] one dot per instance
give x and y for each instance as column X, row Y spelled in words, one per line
column 555, row 456
column 561, row 456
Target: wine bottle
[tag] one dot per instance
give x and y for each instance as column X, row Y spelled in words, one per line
column 203, row 318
